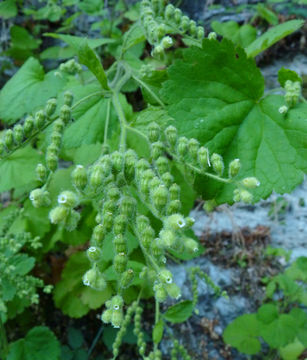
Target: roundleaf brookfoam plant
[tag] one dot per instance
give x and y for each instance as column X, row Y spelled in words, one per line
column 206, row 129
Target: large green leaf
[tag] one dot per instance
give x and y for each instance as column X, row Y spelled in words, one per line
column 71, row 295
column 39, row 343
column 28, row 90
column 215, row 95
column 272, row 36
column 18, row 170
column 242, row 333
column 179, row 312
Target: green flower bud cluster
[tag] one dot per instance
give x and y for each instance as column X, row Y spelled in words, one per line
column 154, row 355
column 138, row 331
column 179, row 350
column 123, row 329
column 114, row 312
column 94, row 278
column 14, row 138
column 64, row 214
column 293, row 92
column 40, row 198
column 71, row 67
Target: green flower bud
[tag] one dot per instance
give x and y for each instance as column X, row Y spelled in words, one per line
column 65, row 114
column 160, row 293
column 142, row 165
column 165, row 276
column 58, row 126
column 127, row 278
column 173, row 290
column 177, row 15
column 72, row 220
column 127, row 206
column 41, row 172
column 160, row 197
column 113, row 193
column 9, row 139
column 171, row 135
column 107, row 221
column 156, row 149
column 200, row 34
column 182, row 146
column 162, row 165
column 18, row 133
column 191, row 245
column 96, row 177
column 167, row 178
column 192, row 27
column 167, row 42
column 169, row 12
column 174, row 192
column 40, row 119
column 212, row 36
column 39, row 198
column 130, row 164
column 283, row 109
column 106, row 165
column 217, row 163
column 246, row 196
column 117, row 160
column 50, row 107
column 120, row 244
column 117, row 302
column 157, row 51
column 59, row 214
column 120, row 180
column 193, row 146
column 168, row 238
column 94, row 279
column 203, row 157
column 185, row 23
column 52, row 149
column 250, row 182
column 28, row 125
column 56, row 138
column 236, row 195
column 109, row 206
column 175, row 222
column 79, row 177
column 99, row 234
column 68, row 199
column 157, row 248
column 234, row 168
column 52, row 161
column 68, row 98
column 173, row 207
column 106, row 316
column 93, row 253
column 120, row 224
column 142, row 222
column 153, row 132
column 147, row 236
column 209, row 205
column 120, row 262
column 117, row 319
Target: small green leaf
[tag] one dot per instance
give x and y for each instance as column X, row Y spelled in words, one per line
column 75, row 338
column 242, row 334
column 179, row 312
column 286, row 74
column 39, row 343
column 8, row 9
column 292, row 351
column 18, row 170
column 272, row 36
column 158, row 332
column 267, row 14
column 21, row 38
column 89, row 58
column 267, row 313
column 30, row 88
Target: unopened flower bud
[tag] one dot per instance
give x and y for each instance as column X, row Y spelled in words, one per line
column 117, row 302
column 212, row 36
column 96, row 177
column 160, row 197
column 68, row 98
column 175, row 222
column 41, row 172
column 99, row 234
column 127, row 206
column 209, row 205
column 168, row 238
column 18, row 133
column 65, row 113
column 107, row 221
column 106, row 316
column 167, row 42
column 193, row 146
column 156, row 149
column 160, row 293
column 117, row 319
column 28, row 125
column 173, row 207
column 120, row 224
column 127, row 278
column 56, row 139
column 50, row 107
column 246, row 196
column 120, row 262
column 217, row 163
column 52, row 161
column 79, row 177
column 182, row 146
column 234, row 168
column 167, row 178
column 72, row 220
column 58, row 126
column 165, row 276
column 177, row 15
column 185, row 23
column 192, row 27
column 191, row 245
column 113, row 193
column 119, row 243
column 153, row 132
column 147, row 236
column 283, row 109
column 9, row 139
column 200, row 34
column 169, row 11
column 68, row 198
column 250, row 182
column 171, row 135
column 236, row 195
column 173, row 290
column 141, row 223
column 162, row 165
column 117, row 161
column 39, row 198
column 59, row 214
column 40, row 118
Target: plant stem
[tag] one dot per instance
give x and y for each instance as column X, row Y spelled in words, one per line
column 122, row 120
column 4, row 346
column 157, row 316
column 105, row 137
